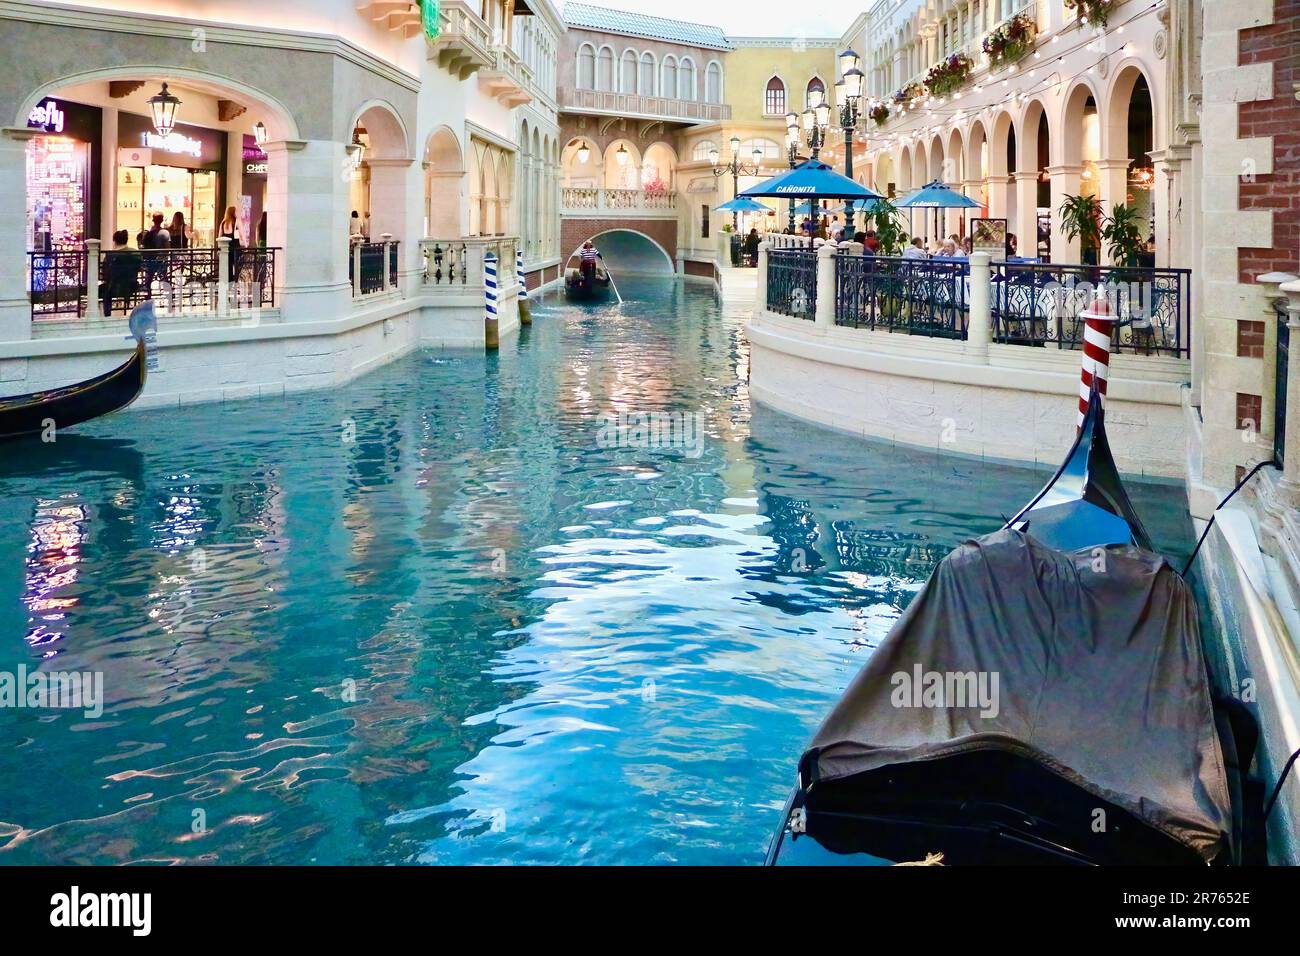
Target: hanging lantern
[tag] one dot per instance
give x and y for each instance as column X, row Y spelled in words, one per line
column 259, row 134
column 584, row 153
column 163, row 107
column 358, row 145
column 621, row 155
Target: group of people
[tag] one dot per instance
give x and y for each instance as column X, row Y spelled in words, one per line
column 121, row 278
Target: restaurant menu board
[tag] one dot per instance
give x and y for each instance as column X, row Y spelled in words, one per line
column 989, row 235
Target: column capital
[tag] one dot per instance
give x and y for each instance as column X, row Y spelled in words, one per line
column 1064, row 170
column 20, row 133
column 1107, row 164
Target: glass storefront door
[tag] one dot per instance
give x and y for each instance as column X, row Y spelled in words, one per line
column 143, row 191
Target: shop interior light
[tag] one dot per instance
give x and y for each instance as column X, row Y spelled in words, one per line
column 163, row 107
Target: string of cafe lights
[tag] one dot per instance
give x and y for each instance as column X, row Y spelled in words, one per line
column 934, row 107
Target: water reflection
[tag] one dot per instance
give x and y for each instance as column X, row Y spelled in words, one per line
column 426, row 617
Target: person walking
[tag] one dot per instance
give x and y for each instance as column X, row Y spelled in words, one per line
column 155, row 241
column 229, row 229
column 121, row 273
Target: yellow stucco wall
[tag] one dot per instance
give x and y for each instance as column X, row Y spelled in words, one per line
column 749, row 69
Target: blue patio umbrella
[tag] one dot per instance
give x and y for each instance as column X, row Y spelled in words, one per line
column 937, row 195
column 811, row 179
column 741, row 204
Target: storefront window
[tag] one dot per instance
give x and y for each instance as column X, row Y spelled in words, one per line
column 61, row 166
column 183, row 173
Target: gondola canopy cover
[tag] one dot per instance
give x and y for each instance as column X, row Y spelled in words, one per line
column 1093, row 670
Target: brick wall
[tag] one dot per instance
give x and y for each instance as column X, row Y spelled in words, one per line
column 575, row 231
column 1277, row 191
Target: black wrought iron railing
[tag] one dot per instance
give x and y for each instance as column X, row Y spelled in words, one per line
column 177, row 281
column 371, row 256
column 1037, row 304
column 915, row 296
column 252, row 281
column 56, row 282
column 1283, row 360
column 792, row 282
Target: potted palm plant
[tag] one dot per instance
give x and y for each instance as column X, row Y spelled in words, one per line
column 1122, row 231
column 1081, row 219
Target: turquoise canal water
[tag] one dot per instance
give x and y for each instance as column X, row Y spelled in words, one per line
column 475, row 633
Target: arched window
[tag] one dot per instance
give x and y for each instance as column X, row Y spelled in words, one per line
column 815, row 85
column 703, row 148
column 586, row 67
column 605, row 69
column 774, row 100
column 645, row 82
column 769, row 149
column 668, row 77
column 713, row 82
column 627, row 72
column 686, row 79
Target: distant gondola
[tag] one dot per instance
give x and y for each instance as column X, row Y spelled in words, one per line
column 1100, row 743
column 590, row 288
column 73, row 404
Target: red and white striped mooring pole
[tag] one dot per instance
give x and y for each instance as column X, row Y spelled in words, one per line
column 1098, row 324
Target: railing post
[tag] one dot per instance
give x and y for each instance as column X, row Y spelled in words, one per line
column 223, row 275
column 92, row 279
column 356, row 270
column 387, row 238
column 979, row 326
column 760, row 300
column 825, row 307
column 1291, row 466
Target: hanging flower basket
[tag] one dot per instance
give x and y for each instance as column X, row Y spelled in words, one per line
column 879, row 114
column 1011, row 41
column 948, row 75
column 907, row 94
column 1093, row 12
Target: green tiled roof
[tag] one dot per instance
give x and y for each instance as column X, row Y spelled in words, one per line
column 588, row 17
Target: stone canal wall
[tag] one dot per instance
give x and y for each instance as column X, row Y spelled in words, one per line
column 1018, row 405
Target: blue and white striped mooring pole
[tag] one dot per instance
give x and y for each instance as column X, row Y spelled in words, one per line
column 525, row 310
column 491, row 337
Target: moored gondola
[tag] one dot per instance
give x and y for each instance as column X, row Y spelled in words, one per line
column 1044, row 699
column 61, row 408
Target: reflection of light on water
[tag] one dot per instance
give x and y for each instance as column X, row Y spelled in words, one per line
column 57, row 534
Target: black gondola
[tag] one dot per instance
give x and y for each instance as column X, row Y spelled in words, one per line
column 70, row 405
column 1100, row 742
column 593, row 286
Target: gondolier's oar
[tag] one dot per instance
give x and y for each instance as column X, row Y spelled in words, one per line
column 609, row 275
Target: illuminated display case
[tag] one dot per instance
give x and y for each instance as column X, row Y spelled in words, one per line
column 62, row 163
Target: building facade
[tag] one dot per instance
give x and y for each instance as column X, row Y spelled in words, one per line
column 342, row 168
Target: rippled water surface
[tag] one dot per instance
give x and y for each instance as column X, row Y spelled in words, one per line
column 473, row 634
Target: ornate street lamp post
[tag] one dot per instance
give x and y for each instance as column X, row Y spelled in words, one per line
column 848, row 94
column 792, row 142
column 815, row 120
column 736, row 168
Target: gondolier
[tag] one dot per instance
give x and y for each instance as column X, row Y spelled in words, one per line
column 591, row 279
column 589, row 256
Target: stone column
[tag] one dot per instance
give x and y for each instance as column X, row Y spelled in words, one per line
column 979, row 328
column 1026, row 224
column 394, row 184
column 15, row 307
column 93, row 305
column 1065, row 182
column 307, row 186
column 1168, row 168
column 1113, row 176
column 825, row 311
column 997, row 190
column 1290, row 485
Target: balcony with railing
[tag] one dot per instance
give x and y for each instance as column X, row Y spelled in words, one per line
column 455, row 266
column 84, row 286
column 508, row 79
column 464, row 44
column 638, row 106
column 595, row 201
column 366, row 268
